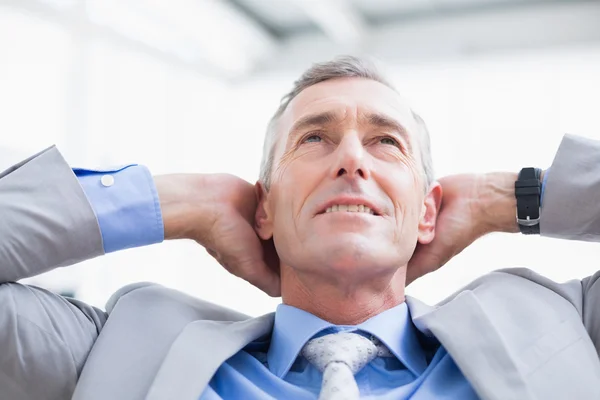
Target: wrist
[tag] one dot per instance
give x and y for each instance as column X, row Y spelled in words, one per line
column 498, row 204
column 182, row 208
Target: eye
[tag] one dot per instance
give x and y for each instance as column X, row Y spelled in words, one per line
column 389, row 140
column 313, row 138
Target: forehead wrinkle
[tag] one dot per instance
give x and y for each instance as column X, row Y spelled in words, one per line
column 316, row 119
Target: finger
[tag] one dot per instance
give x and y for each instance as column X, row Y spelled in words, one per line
column 260, row 275
column 249, row 264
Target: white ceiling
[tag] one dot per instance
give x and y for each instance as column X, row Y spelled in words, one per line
column 234, row 39
column 288, row 17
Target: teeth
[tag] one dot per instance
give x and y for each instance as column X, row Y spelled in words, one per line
column 350, row 208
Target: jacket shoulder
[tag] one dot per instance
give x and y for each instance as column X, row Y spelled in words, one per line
column 572, row 290
column 148, row 295
column 112, row 301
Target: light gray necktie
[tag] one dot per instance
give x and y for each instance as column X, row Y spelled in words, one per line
column 339, row 356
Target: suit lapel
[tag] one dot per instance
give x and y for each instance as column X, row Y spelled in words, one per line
column 461, row 326
column 469, row 336
column 199, row 351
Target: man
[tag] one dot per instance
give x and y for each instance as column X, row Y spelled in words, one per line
column 347, row 197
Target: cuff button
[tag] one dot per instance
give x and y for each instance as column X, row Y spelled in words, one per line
column 107, row 180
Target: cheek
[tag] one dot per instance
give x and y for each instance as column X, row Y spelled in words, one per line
column 299, row 173
column 404, row 189
column 400, row 162
column 298, row 161
column 294, row 188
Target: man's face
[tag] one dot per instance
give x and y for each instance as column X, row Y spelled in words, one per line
column 347, row 193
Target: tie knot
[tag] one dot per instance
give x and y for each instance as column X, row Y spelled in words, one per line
column 352, row 349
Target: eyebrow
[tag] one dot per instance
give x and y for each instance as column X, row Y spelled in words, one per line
column 330, row 117
column 383, row 121
column 320, row 119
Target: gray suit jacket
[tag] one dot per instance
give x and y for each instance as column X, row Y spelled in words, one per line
column 513, row 333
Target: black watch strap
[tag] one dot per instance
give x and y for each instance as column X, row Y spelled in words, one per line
column 528, row 188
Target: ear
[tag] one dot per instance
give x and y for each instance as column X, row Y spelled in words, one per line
column 429, row 213
column 263, row 221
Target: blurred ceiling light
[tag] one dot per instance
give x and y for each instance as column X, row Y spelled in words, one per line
column 384, row 9
column 207, row 31
column 337, row 19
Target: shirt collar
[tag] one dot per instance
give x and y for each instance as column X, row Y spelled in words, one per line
column 395, row 329
column 294, row 327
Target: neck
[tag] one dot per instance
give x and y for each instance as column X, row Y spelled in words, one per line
column 342, row 303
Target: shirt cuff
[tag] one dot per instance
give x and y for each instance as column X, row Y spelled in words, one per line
column 544, row 185
column 126, row 204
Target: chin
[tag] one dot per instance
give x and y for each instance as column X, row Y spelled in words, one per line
column 351, row 254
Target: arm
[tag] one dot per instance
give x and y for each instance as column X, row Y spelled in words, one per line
column 479, row 204
column 47, row 222
column 570, row 210
column 472, row 206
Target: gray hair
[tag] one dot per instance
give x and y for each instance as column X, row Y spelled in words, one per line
column 340, row 67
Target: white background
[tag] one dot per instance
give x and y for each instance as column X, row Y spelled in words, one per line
column 103, row 103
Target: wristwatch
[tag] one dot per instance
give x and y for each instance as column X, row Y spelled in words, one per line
column 528, row 188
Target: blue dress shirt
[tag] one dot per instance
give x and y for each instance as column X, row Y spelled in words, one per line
column 126, row 204
column 271, row 368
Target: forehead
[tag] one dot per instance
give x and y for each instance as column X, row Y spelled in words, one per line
column 348, row 95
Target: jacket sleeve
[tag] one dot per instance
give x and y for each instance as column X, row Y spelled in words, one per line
column 571, row 210
column 45, row 222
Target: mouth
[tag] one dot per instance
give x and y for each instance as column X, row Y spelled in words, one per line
column 361, row 208
column 350, row 205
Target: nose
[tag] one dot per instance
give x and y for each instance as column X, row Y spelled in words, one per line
column 351, row 160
